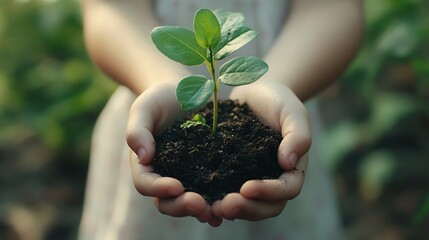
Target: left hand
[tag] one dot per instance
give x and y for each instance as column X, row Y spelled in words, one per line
column 278, row 107
column 152, row 111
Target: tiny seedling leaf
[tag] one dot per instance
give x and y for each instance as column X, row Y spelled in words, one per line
column 207, row 28
column 178, row 44
column 197, row 120
column 242, row 70
column 194, row 91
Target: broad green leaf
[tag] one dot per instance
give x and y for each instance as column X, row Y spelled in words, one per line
column 233, row 33
column 221, row 15
column 194, row 91
column 242, row 70
column 178, row 44
column 228, row 20
column 233, row 40
column 207, row 28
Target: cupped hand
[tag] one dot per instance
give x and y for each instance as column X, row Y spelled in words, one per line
column 152, row 112
column 277, row 106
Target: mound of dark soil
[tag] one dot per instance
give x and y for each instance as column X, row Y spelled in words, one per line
column 214, row 165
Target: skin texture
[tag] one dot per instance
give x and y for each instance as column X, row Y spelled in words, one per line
column 318, row 40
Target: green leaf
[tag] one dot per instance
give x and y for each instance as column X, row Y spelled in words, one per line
column 197, row 120
column 232, row 40
column 234, row 34
column 207, row 28
column 422, row 213
column 178, row 44
column 242, row 70
column 194, row 91
column 228, row 20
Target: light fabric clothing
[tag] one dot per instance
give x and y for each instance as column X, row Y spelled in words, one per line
column 113, row 208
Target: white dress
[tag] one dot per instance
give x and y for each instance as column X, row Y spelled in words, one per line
column 114, row 210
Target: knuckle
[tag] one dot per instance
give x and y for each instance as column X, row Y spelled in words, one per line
column 133, row 137
column 279, row 209
column 295, row 192
column 130, row 138
column 275, row 213
column 140, row 189
column 163, row 210
column 305, row 143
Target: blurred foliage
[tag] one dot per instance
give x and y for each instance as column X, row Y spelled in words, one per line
column 50, row 96
column 49, row 89
column 377, row 119
column 388, row 80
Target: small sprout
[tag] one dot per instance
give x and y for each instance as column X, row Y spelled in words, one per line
column 197, row 120
column 216, row 35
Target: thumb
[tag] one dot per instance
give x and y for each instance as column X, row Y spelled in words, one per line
column 296, row 138
column 152, row 111
column 139, row 130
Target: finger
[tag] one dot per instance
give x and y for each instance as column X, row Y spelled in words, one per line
column 142, row 142
column 187, row 204
column 266, row 190
column 215, row 221
column 296, row 136
column 235, row 206
column 286, row 114
column 151, row 112
column 286, row 187
column 205, row 215
column 295, row 178
column 139, row 131
column 208, row 217
column 218, row 211
column 151, row 184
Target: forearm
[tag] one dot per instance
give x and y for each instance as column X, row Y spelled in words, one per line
column 117, row 35
column 316, row 44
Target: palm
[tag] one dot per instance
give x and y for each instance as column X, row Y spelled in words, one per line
column 277, row 106
column 151, row 113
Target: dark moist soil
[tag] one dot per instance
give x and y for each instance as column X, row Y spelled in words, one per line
column 214, row 165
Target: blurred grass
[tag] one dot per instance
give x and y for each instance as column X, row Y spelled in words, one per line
column 375, row 139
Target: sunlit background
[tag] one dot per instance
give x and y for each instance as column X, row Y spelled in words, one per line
column 376, row 122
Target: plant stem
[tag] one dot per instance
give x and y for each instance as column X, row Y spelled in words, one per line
column 215, row 104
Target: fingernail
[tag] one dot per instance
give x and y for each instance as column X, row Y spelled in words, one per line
column 293, row 158
column 141, row 153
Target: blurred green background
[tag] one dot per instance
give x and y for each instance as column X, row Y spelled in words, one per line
column 376, row 122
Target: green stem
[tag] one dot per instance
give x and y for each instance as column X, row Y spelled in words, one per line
column 215, row 104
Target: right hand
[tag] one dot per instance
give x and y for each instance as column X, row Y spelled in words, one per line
column 278, row 107
column 153, row 111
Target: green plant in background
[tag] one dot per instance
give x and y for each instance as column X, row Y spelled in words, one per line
column 216, row 35
column 387, row 82
column 50, row 96
column 49, row 88
column 51, row 93
column 422, row 212
column 387, row 85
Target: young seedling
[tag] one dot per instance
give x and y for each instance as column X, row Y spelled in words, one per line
column 216, row 35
